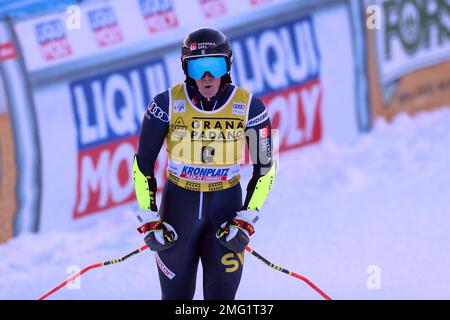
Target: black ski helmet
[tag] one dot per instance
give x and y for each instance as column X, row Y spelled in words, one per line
column 206, row 42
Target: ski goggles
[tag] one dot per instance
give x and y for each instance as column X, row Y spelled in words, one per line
column 196, row 68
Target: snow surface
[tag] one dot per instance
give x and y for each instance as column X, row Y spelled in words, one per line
column 335, row 210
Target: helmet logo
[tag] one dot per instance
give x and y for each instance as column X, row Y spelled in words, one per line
column 205, row 45
column 201, row 45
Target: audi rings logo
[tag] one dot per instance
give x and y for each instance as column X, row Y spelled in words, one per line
column 157, row 112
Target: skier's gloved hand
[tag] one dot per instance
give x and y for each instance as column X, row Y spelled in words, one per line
column 235, row 234
column 159, row 235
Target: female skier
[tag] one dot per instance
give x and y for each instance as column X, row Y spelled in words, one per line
column 204, row 121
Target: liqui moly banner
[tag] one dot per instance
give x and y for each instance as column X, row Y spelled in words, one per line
column 281, row 65
column 108, row 111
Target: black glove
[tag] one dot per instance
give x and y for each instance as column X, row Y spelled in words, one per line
column 159, row 235
column 235, row 234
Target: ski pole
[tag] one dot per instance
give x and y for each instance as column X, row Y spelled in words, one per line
column 144, row 247
column 92, row 266
column 268, row 263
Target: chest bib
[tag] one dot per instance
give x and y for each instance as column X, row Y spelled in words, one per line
column 205, row 148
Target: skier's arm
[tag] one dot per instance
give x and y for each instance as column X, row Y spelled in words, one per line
column 159, row 235
column 259, row 140
column 235, row 234
column 153, row 131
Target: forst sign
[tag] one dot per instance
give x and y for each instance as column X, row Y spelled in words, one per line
column 411, row 23
column 415, row 34
column 409, row 57
column 108, row 111
column 281, row 65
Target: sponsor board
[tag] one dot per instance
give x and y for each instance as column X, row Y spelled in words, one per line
column 159, row 15
column 105, row 27
column 256, row 3
column 8, row 174
column 281, row 65
column 108, row 111
column 409, row 57
column 97, row 27
column 213, row 8
column 104, row 112
column 52, row 39
column 7, row 51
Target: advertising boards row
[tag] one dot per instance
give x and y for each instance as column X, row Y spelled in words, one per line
column 304, row 66
column 104, row 27
column 100, row 114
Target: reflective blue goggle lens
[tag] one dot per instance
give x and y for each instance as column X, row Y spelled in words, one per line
column 217, row 66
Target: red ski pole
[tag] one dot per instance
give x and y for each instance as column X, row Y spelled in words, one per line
column 268, row 263
column 92, row 266
column 144, row 247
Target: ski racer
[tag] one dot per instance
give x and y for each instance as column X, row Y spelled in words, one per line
column 206, row 123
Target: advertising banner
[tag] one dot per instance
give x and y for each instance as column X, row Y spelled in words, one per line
column 409, row 56
column 95, row 28
column 293, row 68
column 108, row 111
column 281, row 65
column 97, row 119
column 7, row 51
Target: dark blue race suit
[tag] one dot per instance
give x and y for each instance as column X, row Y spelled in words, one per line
column 196, row 216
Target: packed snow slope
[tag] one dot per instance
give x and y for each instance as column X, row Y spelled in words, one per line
column 335, row 214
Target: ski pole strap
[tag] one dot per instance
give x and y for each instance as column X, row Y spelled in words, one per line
column 149, row 226
column 244, row 225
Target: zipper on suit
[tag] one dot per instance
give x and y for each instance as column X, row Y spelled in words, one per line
column 200, row 207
